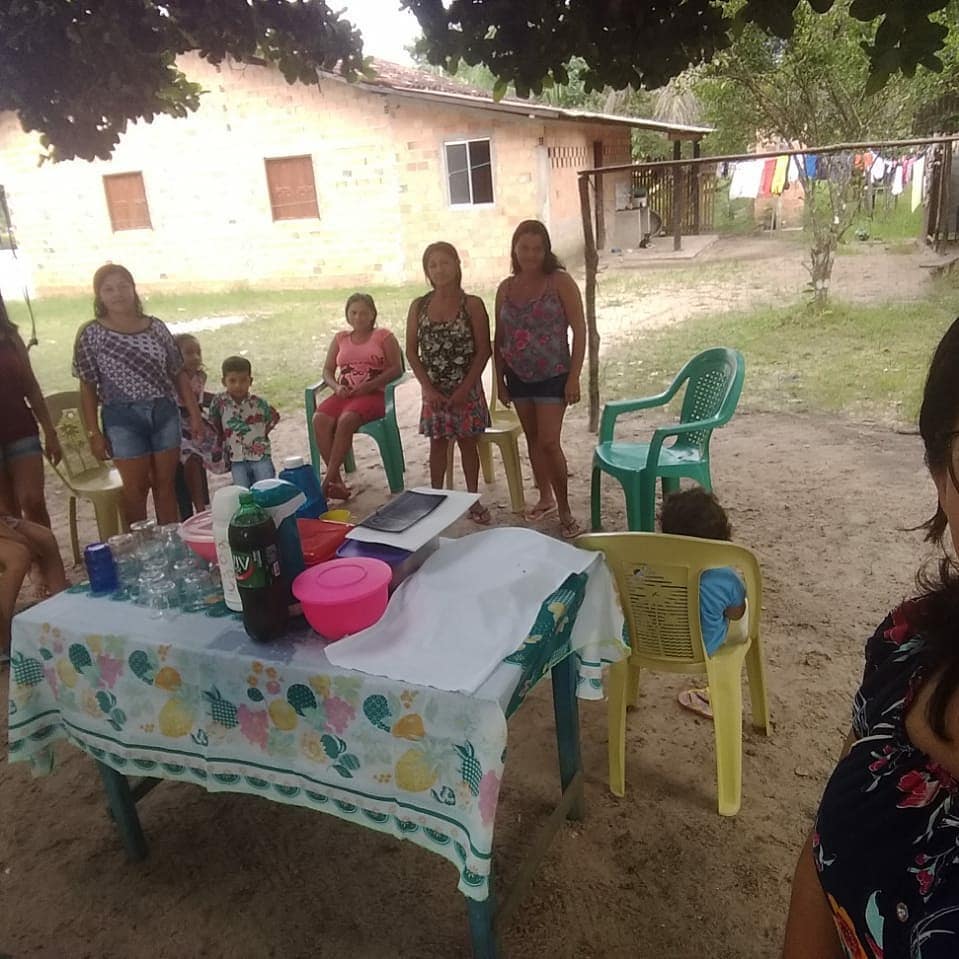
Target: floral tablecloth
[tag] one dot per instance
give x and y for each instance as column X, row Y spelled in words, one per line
column 194, row 699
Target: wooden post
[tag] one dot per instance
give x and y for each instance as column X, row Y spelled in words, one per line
column 592, row 333
column 697, row 198
column 600, row 198
column 945, row 198
column 678, row 206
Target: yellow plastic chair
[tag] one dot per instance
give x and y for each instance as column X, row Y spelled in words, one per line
column 504, row 432
column 658, row 581
column 82, row 473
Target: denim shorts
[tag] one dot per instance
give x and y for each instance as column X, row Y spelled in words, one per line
column 28, row 446
column 552, row 390
column 247, row 472
column 141, row 428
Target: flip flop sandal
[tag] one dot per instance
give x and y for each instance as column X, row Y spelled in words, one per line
column 696, row 701
column 570, row 529
column 480, row 515
column 538, row 513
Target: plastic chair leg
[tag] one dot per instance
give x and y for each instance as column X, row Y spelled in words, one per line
column 641, row 515
column 726, row 697
column 632, row 686
column 756, row 673
column 617, row 728
column 595, row 489
column 514, row 476
column 349, row 461
column 485, row 450
column 108, row 520
column 74, row 531
column 392, row 467
column 670, row 485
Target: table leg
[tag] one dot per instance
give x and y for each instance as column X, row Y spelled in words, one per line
column 481, row 925
column 124, row 809
column 566, row 711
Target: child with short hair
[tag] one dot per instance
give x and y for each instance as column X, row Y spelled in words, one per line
column 23, row 544
column 244, row 421
column 722, row 596
column 197, row 453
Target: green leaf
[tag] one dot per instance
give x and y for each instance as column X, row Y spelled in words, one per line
column 499, row 89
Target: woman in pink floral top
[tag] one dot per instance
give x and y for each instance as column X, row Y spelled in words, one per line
column 536, row 308
column 878, row 877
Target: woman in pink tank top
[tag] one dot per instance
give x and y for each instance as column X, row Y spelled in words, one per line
column 536, row 370
column 359, row 364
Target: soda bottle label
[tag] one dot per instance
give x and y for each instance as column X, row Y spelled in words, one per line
column 256, row 568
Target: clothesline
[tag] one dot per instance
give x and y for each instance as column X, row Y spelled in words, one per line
column 772, row 154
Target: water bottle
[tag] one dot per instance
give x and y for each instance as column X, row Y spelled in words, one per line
column 256, row 563
column 301, row 474
column 281, row 500
column 226, row 501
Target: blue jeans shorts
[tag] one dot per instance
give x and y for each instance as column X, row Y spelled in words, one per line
column 247, row 472
column 141, row 428
column 552, row 390
column 28, row 446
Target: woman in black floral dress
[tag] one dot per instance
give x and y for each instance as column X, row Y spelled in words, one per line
column 878, row 877
column 448, row 347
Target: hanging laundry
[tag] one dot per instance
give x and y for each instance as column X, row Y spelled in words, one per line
column 898, row 179
column 766, row 182
column 878, row 169
column 811, row 165
column 745, row 181
column 778, row 183
column 795, row 165
column 918, row 174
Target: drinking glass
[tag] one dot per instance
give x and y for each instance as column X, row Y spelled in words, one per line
column 124, row 549
column 161, row 599
column 144, row 530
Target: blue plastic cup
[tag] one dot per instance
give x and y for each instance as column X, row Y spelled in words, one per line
column 101, row 568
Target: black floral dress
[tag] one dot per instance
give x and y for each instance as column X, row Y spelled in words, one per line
column 446, row 350
column 886, row 843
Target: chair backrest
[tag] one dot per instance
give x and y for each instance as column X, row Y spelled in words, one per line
column 66, row 412
column 714, row 384
column 657, row 577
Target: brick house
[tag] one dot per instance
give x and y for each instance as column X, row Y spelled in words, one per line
column 271, row 184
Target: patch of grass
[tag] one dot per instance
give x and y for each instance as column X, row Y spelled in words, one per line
column 868, row 361
column 285, row 337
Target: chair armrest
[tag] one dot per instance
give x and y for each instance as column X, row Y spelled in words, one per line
column 680, row 429
column 613, row 410
column 309, row 396
column 390, row 389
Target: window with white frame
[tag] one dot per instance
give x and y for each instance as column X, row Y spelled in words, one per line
column 469, row 172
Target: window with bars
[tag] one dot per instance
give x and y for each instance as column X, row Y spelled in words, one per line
column 292, row 188
column 469, row 172
column 127, row 201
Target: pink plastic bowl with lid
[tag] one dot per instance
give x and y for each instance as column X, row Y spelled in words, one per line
column 343, row 596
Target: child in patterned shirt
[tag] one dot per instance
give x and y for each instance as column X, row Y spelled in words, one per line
column 244, row 422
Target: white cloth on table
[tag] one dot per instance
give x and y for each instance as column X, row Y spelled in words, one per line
column 472, row 604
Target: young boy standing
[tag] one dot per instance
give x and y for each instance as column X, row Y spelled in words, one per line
column 244, row 422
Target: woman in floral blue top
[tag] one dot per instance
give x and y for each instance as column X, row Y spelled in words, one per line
column 878, row 877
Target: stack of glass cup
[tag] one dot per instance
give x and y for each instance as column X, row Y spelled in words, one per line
column 157, row 570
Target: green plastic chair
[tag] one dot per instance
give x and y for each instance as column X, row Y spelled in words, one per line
column 714, row 381
column 384, row 431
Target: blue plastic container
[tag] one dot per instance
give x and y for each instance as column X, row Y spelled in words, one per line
column 101, row 568
column 298, row 472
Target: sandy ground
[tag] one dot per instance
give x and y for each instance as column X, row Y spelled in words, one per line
column 822, row 501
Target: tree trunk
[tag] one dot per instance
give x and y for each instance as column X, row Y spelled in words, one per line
column 822, row 256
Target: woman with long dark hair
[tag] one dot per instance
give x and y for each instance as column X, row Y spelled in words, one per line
column 131, row 369
column 537, row 308
column 23, row 407
column 879, row 874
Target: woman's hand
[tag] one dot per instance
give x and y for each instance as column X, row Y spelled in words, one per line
column 344, row 391
column 572, row 390
column 458, row 397
column 502, row 392
column 435, row 398
column 52, row 447
column 99, row 446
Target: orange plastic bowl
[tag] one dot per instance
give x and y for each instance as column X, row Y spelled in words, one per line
column 320, row 538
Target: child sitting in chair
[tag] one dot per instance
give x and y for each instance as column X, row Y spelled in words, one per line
column 722, row 596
